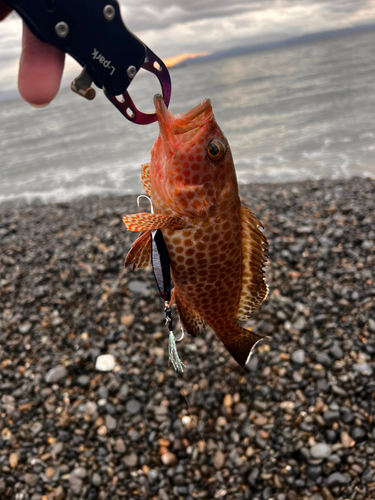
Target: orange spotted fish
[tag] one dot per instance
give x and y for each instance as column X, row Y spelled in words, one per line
column 216, row 249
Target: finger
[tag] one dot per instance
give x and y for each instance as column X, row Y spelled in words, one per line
column 41, row 67
column 4, row 10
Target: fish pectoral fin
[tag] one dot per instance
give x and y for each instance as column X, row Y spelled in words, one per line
column 190, row 320
column 254, row 254
column 145, row 178
column 140, row 252
column 240, row 342
column 146, row 221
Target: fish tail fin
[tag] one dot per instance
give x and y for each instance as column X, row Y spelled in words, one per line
column 240, row 343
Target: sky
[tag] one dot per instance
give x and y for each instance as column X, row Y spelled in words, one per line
column 174, row 27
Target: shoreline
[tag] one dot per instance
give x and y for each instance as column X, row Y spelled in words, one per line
column 297, row 423
column 37, row 203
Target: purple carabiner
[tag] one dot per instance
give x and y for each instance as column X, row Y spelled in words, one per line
column 127, row 107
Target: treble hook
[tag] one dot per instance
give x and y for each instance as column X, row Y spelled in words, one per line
column 178, row 365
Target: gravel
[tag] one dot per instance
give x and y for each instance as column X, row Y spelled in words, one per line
column 90, row 408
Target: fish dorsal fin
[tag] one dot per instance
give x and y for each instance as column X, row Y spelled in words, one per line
column 140, row 252
column 145, row 178
column 254, row 289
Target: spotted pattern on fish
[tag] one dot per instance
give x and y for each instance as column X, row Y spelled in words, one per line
column 216, row 249
column 145, row 178
column 140, row 252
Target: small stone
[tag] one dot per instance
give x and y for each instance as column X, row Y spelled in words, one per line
column 250, row 451
column 363, row 368
column 179, row 480
column 31, row 479
column 140, row 287
column 50, row 472
column 35, row 428
column 124, row 391
column 127, row 319
column 96, row 479
column 228, row 401
column 367, row 245
column 83, row 380
column 91, row 408
column 260, row 421
column 56, row 374
column 326, row 493
column 300, row 323
column 346, row 440
column 131, row 460
column 314, row 471
column 359, row 434
column 102, row 430
column 80, row 472
column 133, row 406
column 105, row 363
column 240, row 408
column 152, row 476
column 203, row 384
column 298, row 357
column 320, row 451
column 323, row 359
column 75, row 484
column 25, row 328
column 331, row 416
column 368, row 475
column 320, row 319
column 120, row 446
column 338, row 479
column 13, row 460
column 219, row 459
column 110, row 422
column 103, row 392
column 59, row 493
column 57, row 447
column 336, row 352
column 287, row 406
column 371, row 325
column 347, row 417
column 338, row 390
column 169, row 459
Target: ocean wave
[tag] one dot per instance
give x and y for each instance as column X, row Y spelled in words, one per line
column 62, row 195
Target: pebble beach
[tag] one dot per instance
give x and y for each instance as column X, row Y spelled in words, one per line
column 90, row 407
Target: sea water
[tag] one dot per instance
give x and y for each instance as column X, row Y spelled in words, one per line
column 300, row 112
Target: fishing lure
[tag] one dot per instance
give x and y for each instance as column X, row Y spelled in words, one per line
column 162, row 274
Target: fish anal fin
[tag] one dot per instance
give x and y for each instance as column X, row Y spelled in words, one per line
column 145, row 178
column 140, row 252
column 254, row 253
column 190, row 320
column 240, row 342
column 146, row 221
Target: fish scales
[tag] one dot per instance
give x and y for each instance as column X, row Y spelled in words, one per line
column 215, row 247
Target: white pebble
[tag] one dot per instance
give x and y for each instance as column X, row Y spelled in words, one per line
column 105, row 363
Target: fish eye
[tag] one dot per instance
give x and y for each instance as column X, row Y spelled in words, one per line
column 215, row 150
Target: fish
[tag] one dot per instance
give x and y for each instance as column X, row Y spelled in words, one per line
column 217, row 249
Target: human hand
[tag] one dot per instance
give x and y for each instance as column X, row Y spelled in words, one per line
column 40, row 69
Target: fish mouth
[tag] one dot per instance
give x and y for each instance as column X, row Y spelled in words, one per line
column 165, row 120
column 172, row 128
